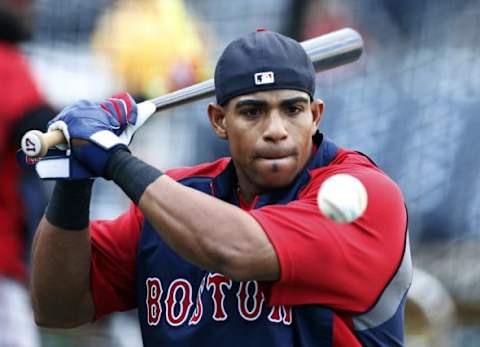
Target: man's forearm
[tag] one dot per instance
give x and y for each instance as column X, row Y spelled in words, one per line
column 60, row 284
column 61, row 258
column 209, row 232
column 204, row 230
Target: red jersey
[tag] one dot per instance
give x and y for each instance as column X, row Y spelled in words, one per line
column 340, row 284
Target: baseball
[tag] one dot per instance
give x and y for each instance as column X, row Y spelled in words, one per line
column 342, row 198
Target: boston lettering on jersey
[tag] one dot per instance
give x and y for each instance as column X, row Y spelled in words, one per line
column 176, row 303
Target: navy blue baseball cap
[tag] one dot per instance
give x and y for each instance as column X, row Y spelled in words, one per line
column 263, row 60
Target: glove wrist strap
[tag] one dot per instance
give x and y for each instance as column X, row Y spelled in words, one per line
column 130, row 173
column 69, row 206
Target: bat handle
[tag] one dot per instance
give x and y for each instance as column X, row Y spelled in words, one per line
column 35, row 144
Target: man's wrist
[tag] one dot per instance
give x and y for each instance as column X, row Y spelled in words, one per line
column 130, row 173
column 69, row 206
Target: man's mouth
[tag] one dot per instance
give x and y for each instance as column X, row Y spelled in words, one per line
column 275, row 154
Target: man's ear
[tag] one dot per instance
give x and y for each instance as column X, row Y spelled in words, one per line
column 216, row 114
column 317, row 113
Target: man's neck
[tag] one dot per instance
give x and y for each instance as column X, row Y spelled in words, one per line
column 248, row 192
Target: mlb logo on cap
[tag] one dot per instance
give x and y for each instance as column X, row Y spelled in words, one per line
column 264, row 78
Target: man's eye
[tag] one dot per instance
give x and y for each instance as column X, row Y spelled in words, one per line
column 293, row 110
column 251, row 112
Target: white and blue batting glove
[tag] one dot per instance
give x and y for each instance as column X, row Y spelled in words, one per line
column 93, row 132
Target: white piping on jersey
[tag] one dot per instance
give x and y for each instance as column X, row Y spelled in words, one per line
column 390, row 300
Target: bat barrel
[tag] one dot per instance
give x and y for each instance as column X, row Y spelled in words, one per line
column 334, row 49
column 189, row 94
column 326, row 52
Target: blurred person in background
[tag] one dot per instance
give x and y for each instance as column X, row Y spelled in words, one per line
column 168, row 53
column 22, row 200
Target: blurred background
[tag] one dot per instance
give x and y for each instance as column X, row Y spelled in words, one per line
column 412, row 103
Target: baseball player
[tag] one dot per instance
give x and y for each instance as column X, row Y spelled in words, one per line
column 233, row 252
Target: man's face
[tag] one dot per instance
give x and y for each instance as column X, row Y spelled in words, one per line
column 270, row 135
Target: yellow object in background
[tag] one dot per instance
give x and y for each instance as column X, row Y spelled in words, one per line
column 154, row 46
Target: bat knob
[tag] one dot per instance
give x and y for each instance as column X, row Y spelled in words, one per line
column 35, row 144
column 32, row 144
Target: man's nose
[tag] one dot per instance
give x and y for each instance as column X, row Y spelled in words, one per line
column 275, row 129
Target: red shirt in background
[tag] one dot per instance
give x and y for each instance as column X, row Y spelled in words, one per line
column 19, row 95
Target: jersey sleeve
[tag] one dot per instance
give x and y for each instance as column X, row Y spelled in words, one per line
column 342, row 266
column 114, row 247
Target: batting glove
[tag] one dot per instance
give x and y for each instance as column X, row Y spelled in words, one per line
column 93, row 132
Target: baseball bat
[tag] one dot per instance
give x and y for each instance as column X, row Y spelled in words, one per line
column 326, row 52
